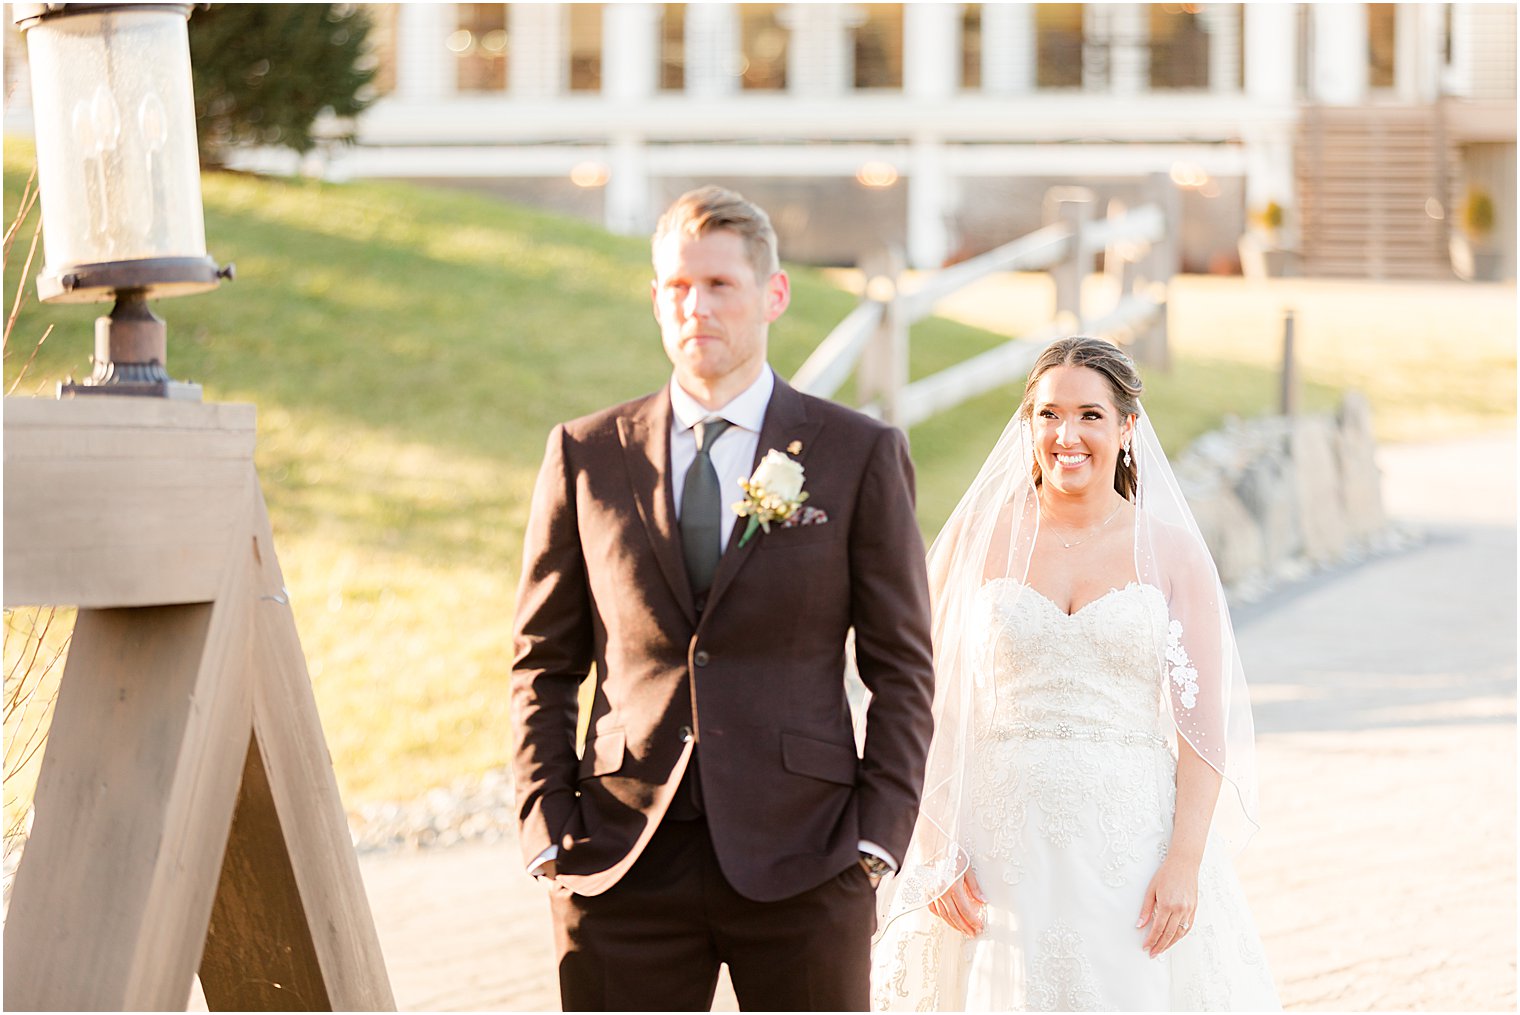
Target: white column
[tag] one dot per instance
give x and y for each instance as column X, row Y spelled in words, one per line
column 818, row 55
column 1432, row 57
column 1269, row 169
column 1417, row 49
column 931, row 49
column 1008, row 48
column 1338, row 74
column 712, row 50
column 1271, row 39
column 626, row 204
column 424, row 65
column 1125, row 30
column 1097, row 70
column 537, row 67
column 1271, row 42
column 630, row 50
column 928, row 242
column 630, row 74
column 1222, row 22
column 1459, row 78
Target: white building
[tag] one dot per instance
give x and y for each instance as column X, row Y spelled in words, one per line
column 939, row 126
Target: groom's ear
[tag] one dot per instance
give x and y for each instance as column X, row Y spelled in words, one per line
column 778, row 295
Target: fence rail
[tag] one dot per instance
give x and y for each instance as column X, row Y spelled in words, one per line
column 1137, row 250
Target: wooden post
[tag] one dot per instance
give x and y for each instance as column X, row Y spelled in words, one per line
column 1160, row 265
column 186, row 816
column 883, row 371
column 1072, row 207
column 1289, row 400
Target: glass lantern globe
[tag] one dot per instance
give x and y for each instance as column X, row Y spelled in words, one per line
column 117, row 162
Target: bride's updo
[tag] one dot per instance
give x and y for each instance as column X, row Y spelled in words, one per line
column 1123, row 384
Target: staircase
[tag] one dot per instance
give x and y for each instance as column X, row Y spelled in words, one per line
column 1366, row 179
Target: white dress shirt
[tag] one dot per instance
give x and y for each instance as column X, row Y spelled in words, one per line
column 733, row 453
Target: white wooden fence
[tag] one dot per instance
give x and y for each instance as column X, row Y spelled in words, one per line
column 1139, row 252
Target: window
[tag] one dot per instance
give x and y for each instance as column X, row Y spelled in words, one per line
column 1179, row 47
column 1058, row 45
column 479, row 45
column 1381, row 39
column 673, row 47
column 971, row 46
column 879, row 46
column 585, row 47
column 763, row 42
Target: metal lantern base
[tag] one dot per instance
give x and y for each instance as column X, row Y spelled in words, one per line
column 180, row 390
column 131, row 345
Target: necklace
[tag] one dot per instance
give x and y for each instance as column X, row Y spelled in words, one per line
column 1077, row 542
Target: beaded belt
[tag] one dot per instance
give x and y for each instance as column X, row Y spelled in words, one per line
column 1066, row 731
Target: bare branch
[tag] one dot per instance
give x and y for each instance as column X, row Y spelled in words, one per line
column 28, row 198
column 29, row 360
column 26, row 273
column 34, row 642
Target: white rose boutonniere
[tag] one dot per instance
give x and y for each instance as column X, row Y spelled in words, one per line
column 772, row 494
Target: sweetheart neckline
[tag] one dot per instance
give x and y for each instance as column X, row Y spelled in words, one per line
column 1085, row 606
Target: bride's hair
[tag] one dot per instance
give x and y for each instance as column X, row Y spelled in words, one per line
column 1123, row 383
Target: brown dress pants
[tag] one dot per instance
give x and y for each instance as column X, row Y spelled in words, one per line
column 656, row 939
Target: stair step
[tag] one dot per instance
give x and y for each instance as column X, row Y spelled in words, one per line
column 1364, row 177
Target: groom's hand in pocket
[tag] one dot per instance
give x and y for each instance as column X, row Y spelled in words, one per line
column 961, row 905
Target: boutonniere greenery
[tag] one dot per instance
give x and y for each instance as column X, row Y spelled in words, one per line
column 772, row 494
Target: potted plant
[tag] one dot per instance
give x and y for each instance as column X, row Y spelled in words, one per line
column 1270, row 218
column 1264, row 246
column 1478, row 226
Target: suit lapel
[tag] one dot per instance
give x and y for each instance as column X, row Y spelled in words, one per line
column 786, row 420
column 645, row 435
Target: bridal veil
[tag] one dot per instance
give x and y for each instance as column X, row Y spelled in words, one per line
column 991, row 535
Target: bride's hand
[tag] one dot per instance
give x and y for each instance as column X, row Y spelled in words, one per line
column 1171, row 900
column 961, row 905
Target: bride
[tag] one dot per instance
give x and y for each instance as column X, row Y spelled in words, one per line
column 1091, row 770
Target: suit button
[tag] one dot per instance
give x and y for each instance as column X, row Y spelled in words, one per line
column 685, row 734
column 701, row 658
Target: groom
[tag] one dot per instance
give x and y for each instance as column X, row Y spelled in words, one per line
column 719, row 812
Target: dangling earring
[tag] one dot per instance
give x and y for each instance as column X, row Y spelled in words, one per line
column 1127, row 459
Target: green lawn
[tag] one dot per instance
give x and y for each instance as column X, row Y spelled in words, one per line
column 408, row 350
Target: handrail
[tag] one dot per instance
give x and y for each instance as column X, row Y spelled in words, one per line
column 1038, row 249
column 826, row 369
column 830, row 364
column 984, row 372
column 1146, row 223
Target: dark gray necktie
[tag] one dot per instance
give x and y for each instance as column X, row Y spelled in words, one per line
column 702, row 509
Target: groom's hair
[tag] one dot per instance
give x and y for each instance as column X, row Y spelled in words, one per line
column 708, row 209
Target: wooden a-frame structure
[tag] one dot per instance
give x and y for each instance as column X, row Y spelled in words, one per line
column 187, row 816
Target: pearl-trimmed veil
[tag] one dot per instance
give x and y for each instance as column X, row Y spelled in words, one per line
column 991, row 536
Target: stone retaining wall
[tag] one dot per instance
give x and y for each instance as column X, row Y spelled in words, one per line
column 1279, row 497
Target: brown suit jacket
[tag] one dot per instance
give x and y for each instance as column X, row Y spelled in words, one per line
column 756, row 680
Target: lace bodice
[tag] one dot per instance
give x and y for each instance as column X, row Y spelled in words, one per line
column 1095, row 674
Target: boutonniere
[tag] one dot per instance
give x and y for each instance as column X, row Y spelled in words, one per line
column 772, row 494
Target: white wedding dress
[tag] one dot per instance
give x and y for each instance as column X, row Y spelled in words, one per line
column 1072, row 782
